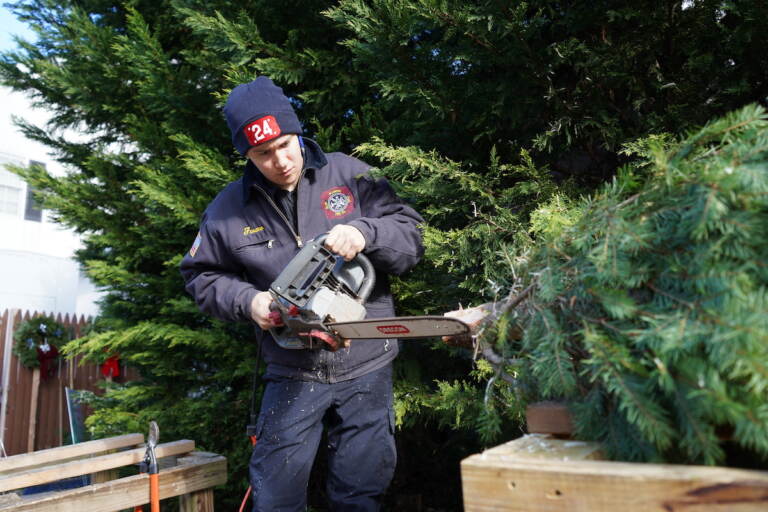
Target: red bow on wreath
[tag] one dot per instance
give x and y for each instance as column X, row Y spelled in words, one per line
column 111, row 367
column 46, row 355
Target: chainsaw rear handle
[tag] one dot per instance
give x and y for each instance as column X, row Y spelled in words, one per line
column 274, row 315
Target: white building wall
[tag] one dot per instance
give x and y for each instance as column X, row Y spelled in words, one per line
column 37, row 271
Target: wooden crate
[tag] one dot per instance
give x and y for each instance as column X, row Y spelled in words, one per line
column 538, row 473
column 185, row 473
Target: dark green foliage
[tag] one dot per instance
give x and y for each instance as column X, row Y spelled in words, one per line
column 650, row 311
column 577, row 79
column 490, row 116
column 473, row 214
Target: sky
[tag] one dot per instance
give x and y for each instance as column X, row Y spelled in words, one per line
column 12, row 142
column 21, row 239
column 10, row 26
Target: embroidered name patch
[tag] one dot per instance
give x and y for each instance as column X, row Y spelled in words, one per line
column 195, row 245
column 337, row 202
column 262, row 130
column 247, row 230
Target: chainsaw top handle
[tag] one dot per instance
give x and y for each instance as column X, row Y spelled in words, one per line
column 370, row 277
column 369, row 273
column 310, row 268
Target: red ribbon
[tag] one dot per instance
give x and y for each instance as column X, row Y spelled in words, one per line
column 111, row 367
column 47, row 359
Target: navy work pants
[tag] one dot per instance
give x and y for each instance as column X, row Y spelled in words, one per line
column 359, row 420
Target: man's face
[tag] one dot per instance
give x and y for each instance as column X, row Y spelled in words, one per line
column 279, row 160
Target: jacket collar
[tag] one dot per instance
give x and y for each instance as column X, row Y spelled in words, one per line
column 314, row 159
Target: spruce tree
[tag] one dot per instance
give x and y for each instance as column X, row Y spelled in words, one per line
column 649, row 312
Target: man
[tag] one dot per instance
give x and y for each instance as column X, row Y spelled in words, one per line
column 290, row 192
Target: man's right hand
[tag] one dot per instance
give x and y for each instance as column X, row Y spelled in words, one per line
column 260, row 310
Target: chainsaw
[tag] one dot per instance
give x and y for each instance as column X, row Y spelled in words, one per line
column 318, row 302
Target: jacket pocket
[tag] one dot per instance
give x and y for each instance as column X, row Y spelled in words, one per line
column 256, row 255
column 252, row 245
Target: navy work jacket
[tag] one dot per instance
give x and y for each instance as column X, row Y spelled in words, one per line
column 245, row 240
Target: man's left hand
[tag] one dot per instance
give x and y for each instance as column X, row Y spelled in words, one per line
column 345, row 240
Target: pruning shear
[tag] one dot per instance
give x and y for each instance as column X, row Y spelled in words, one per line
column 149, row 465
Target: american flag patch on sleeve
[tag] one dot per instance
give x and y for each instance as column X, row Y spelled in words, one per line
column 195, row 245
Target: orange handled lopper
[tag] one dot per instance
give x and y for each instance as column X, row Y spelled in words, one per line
column 149, row 465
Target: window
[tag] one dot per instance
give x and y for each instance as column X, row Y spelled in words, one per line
column 9, row 199
column 33, row 211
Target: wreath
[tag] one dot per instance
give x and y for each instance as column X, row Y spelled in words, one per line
column 37, row 342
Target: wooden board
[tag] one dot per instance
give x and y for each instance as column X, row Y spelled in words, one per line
column 200, row 501
column 51, row 473
column 538, row 474
column 194, row 473
column 7, row 322
column 63, row 453
column 33, row 402
column 549, row 418
column 544, row 447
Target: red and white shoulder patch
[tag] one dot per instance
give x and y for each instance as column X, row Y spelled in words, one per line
column 337, row 202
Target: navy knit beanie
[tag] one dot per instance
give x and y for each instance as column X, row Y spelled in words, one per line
column 257, row 112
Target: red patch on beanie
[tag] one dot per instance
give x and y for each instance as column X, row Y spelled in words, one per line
column 262, row 130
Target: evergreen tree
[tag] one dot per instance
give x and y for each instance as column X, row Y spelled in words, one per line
column 141, row 86
column 500, row 106
column 487, row 115
column 649, row 311
column 574, row 81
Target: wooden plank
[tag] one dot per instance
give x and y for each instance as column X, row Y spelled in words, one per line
column 194, row 474
column 59, row 405
column 541, row 446
column 105, row 476
column 49, row 416
column 10, row 498
column 53, row 455
column 33, row 410
column 549, row 418
column 509, row 480
column 85, row 466
column 5, row 377
column 200, row 501
column 17, row 409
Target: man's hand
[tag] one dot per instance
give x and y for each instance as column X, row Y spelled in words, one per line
column 345, row 240
column 260, row 310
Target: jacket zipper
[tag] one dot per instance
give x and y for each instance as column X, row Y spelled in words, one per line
column 324, row 356
column 296, row 236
